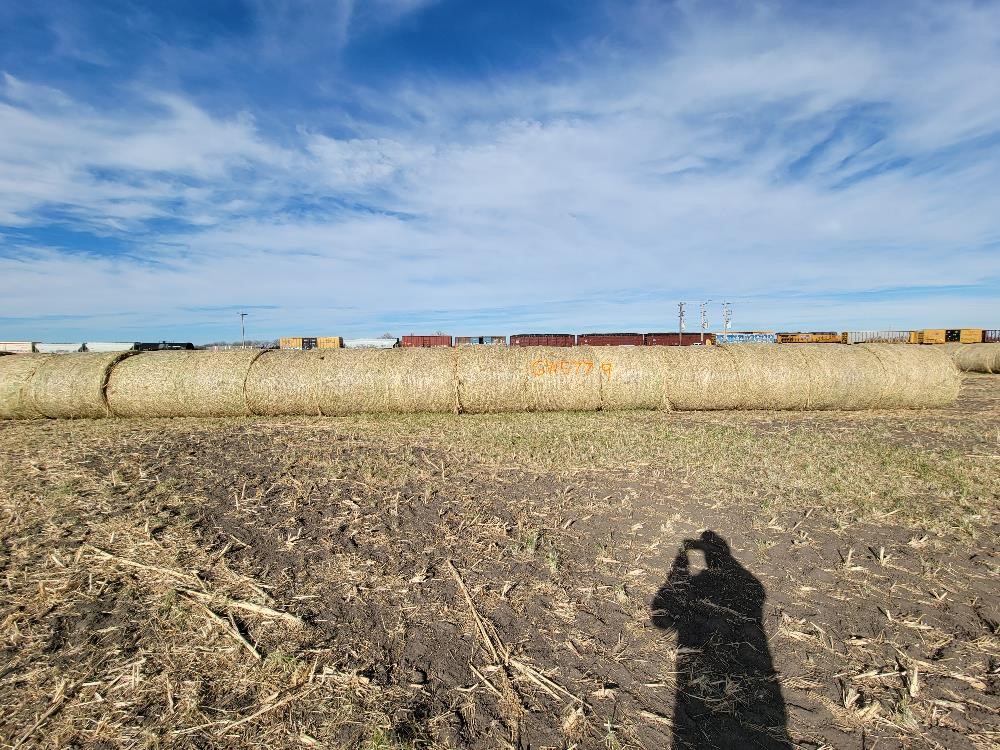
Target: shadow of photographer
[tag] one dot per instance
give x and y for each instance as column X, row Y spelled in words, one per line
column 728, row 696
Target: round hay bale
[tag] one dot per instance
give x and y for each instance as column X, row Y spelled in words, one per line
column 976, row 357
column 531, row 378
column 353, row 381
column 916, row 376
column 285, row 383
column 769, row 376
column 701, row 377
column 843, row 376
column 635, row 377
column 15, row 380
column 72, row 386
column 181, row 384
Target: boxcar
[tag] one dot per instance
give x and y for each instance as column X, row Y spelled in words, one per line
column 426, row 341
column 991, row 336
column 671, row 339
column 480, row 341
column 812, row 337
column 610, row 339
column 543, row 339
column 951, row 335
column 746, row 337
column 371, row 343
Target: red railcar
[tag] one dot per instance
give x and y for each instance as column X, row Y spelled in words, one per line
column 991, row 336
column 672, row 339
column 425, row 341
column 610, row 339
column 543, row 339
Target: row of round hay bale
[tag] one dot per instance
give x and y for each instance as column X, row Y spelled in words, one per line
column 73, row 386
column 181, row 384
column 476, row 379
column 976, row 357
column 15, row 381
column 353, row 381
column 801, row 376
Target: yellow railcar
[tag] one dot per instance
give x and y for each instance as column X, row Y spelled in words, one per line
column 813, row 337
column 951, row 336
column 311, row 342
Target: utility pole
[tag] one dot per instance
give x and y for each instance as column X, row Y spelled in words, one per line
column 243, row 330
column 680, row 324
column 727, row 315
column 703, row 309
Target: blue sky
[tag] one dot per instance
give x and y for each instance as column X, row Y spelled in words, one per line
column 408, row 166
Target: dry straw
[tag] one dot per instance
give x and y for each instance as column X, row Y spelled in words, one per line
column 73, row 386
column 771, row 377
column 15, row 379
column 976, row 357
column 915, row 376
column 702, row 377
column 181, row 384
column 634, row 377
column 532, row 378
column 353, row 381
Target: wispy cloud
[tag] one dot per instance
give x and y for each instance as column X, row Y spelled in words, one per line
column 768, row 156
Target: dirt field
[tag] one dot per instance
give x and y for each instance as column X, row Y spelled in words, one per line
column 514, row 581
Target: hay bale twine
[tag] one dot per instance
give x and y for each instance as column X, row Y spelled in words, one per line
column 915, row 376
column 15, row 380
column 72, row 386
column 181, row 384
column 530, row 378
column 976, row 357
column 353, row 381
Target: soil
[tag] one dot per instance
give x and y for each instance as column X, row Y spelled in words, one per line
column 483, row 605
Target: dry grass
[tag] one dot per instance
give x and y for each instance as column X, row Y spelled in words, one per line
column 426, row 581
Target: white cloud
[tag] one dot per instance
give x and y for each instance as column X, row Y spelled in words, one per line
column 667, row 173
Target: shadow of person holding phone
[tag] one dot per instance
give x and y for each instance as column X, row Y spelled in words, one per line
column 728, row 696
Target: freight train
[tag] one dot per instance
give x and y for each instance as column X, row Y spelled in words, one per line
column 923, row 336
